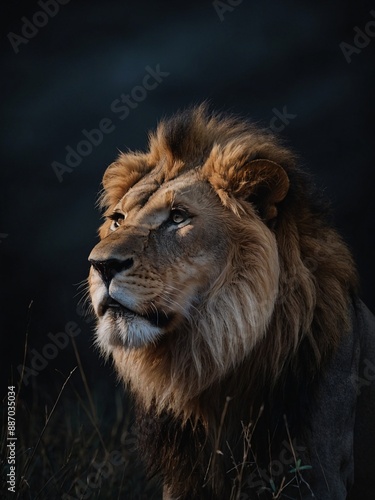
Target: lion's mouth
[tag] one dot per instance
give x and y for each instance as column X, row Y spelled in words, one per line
column 115, row 309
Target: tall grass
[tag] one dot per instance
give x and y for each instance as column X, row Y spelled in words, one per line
column 75, row 440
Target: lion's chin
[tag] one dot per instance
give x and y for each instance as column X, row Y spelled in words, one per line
column 132, row 332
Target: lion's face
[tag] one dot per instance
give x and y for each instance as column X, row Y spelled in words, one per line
column 162, row 250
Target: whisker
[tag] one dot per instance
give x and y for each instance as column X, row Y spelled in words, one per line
column 156, row 310
column 85, row 294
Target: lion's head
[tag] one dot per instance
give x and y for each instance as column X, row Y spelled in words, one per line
column 212, row 255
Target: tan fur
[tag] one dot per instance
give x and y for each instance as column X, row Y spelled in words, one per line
column 254, row 274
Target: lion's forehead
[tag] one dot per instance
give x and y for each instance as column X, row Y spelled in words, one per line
column 151, row 195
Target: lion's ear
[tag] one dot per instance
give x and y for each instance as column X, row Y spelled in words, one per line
column 263, row 183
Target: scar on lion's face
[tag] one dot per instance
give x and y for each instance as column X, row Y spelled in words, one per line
column 167, row 244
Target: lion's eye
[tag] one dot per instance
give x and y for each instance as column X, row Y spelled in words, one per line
column 178, row 216
column 117, row 219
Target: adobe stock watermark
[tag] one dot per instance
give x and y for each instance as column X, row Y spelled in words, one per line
column 121, row 107
column 287, row 463
column 280, row 119
column 30, row 27
column 40, row 359
column 99, row 471
column 3, row 236
column 11, row 439
column 365, row 376
column 222, row 8
column 361, row 39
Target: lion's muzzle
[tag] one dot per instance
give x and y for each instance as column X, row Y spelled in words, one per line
column 110, row 267
column 124, row 292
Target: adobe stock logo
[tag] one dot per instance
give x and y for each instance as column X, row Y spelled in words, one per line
column 121, row 108
column 40, row 360
column 30, row 28
column 361, row 39
column 222, row 7
column 99, row 472
column 280, row 119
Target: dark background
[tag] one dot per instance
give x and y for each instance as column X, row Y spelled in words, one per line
column 253, row 59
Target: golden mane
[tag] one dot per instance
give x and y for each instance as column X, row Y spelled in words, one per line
column 310, row 292
column 228, row 304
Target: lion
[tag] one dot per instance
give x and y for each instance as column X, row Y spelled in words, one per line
column 229, row 306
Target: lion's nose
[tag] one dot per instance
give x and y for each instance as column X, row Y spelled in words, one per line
column 108, row 268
